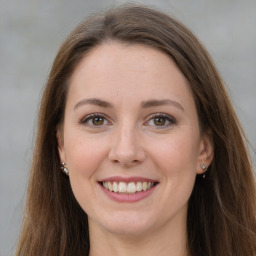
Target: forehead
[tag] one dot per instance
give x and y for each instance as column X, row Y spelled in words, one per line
column 116, row 71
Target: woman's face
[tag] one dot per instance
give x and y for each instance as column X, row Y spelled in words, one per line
column 131, row 139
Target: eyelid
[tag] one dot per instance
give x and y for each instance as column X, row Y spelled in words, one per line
column 171, row 121
column 92, row 115
column 169, row 118
column 160, row 114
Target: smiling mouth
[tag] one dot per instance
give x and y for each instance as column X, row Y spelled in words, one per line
column 127, row 188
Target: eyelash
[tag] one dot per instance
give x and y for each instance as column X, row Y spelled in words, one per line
column 90, row 117
column 165, row 117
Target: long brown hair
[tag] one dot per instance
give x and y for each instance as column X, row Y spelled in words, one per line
column 222, row 210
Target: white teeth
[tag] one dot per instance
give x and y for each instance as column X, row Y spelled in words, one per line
column 127, row 188
column 131, row 188
column 144, row 186
column 110, row 187
column 139, row 186
column 122, row 187
column 115, row 187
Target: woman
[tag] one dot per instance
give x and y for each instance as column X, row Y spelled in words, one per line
column 138, row 149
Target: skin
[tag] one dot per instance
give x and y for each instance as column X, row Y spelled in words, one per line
column 130, row 141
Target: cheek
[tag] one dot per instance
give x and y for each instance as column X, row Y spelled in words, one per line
column 177, row 153
column 176, row 160
column 84, row 157
column 178, row 163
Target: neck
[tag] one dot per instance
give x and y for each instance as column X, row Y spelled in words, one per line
column 167, row 240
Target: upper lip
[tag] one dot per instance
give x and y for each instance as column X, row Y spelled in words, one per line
column 127, row 179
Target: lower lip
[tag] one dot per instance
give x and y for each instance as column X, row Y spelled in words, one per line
column 128, row 198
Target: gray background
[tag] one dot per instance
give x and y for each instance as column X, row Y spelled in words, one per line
column 30, row 34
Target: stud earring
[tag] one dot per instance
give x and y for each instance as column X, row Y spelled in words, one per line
column 64, row 168
column 204, row 168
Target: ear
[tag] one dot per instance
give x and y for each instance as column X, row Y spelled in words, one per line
column 206, row 151
column 60, row 140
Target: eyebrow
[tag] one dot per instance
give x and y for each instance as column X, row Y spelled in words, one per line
column 144, row 104
column 157, row 103
column 93, row 101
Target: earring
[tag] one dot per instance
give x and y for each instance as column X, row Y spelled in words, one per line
column 64, row 168
column 204, row 168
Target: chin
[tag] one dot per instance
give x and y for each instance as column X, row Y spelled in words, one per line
column 128, row 230
column 127, row 224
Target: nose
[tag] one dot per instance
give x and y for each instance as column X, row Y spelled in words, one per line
column 126, row 148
